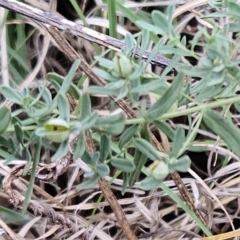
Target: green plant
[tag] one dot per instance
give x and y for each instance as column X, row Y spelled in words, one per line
column 124, row 145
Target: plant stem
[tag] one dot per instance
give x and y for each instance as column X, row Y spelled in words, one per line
column 178, row 113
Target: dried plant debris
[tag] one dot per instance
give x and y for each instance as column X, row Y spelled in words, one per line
column 34, row 206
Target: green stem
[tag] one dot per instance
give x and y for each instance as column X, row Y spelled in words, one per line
column 179, row 113
column 24, row 128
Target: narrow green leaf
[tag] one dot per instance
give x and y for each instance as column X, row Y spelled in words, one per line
column 123, row 164
column 178, row 141
column 133, row 18
column 68, row 79
column 11, row 94
column 103, row 90
column 49, row 109
column 160, row 20
column 5, row 119
column 169, row 13
column 111, row 124
column 148, row 87
column 172, row 64
column 127, row 135
column 191, row 136
column 89, row 183
column 173, row 50
column 237, row 106
column 149, row 183
column 79, row 11
column 184, row 206
column 6, row 142
column 193, row 71
column 149, row 27
column 224, row 128
column 167, row 100
column 36, row 159
column 61, row 152
column 125, row 182
column 139, row 159
column 116, row 85
column 13, row 216
column 112, row 17
column 106, row 63
column 186, row 92
column 63, row 106
column 147, row 148
column 234, row 27
column 145, row 41
column 46, row 94
column 137, row 72
column 129, row 42
column 56, row 78
column 21, row 68
column 89, row 121
column 196, row 37
column 217, row 14
column 165, row 128
column 21, row 47
column 134, row 83
column 88, row 174
column 80, row 146
column 105, row 147
column 85, row 106
column 122, row 93
column 95, row 158
column 19, row 132
column 197, row 148
column 103, row 169
column 87, row 158
column 207, row 92
column 154, row 51
column 105, row 75
column 181, row 165
column 233, row 9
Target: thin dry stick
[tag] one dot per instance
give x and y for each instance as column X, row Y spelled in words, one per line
column 73, row 55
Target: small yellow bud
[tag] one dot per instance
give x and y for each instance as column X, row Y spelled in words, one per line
column 158, row 170
column 57, row 130
column 122, row 65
